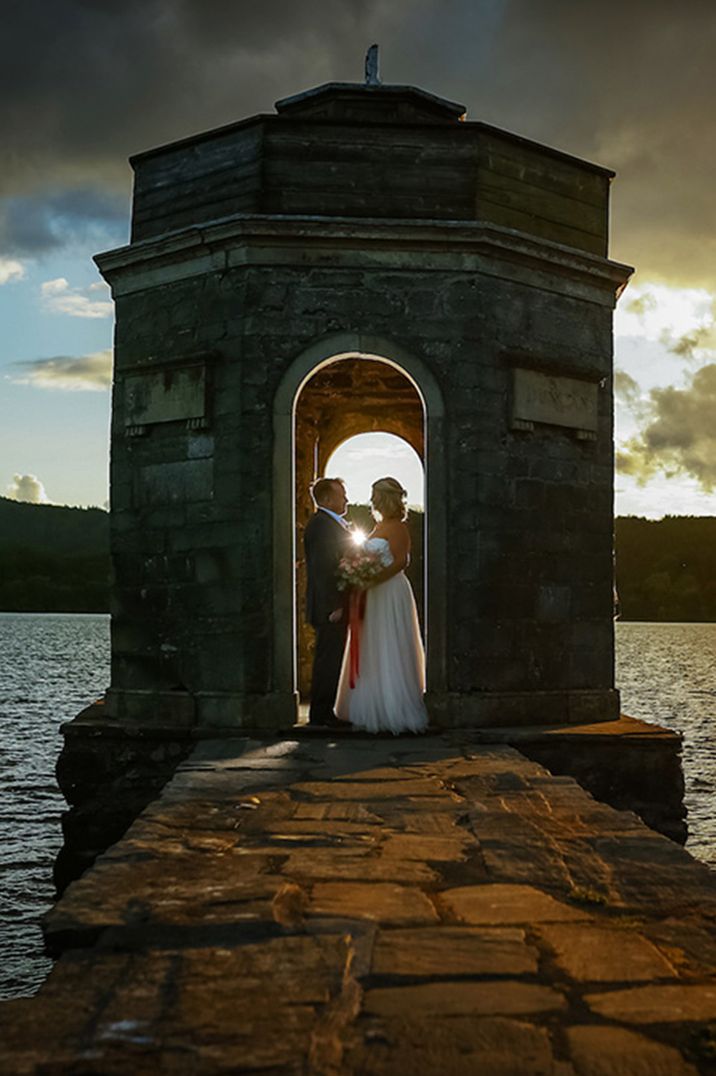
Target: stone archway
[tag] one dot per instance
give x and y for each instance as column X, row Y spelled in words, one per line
column 351, row 361
column 351, row 395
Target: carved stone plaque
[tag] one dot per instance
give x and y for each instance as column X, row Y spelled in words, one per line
column 555, row 401
column 167, row 395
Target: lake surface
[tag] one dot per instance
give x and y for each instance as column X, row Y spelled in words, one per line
column 667, row 674
column 52, row 665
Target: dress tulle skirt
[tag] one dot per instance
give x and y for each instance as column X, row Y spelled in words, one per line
column 388, row 693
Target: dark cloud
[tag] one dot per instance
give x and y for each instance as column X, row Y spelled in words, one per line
column 91, row 81
column 31, row 225
column 642, row 305
column 685, row 346
column 680, row 434
column 626, row 389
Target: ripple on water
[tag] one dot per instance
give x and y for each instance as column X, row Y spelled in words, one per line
column 51, row 666
column 667, row 674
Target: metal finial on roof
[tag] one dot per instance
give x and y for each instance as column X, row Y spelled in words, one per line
column 372, row 72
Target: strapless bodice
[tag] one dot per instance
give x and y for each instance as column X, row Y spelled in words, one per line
column 381, row 546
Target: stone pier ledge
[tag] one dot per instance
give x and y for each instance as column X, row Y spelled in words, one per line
column 429, row 905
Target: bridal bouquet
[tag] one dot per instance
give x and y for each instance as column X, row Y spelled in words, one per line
column 358, row 569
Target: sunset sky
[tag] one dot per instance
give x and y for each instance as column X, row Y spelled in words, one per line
column 86, row 83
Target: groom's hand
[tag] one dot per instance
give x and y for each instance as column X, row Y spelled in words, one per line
column 335, row 616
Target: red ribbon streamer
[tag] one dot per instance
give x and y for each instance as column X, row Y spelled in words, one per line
column 356, row 612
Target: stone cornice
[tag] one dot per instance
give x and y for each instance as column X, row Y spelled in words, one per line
column 247, row 239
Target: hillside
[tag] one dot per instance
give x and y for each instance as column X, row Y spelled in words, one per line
column 50, row 527
column 53, row 559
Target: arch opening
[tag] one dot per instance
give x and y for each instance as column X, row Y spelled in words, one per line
column 292, row 504
column 364, row 456
column 350, row 399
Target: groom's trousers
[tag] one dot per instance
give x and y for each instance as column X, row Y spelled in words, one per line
column 327, row 659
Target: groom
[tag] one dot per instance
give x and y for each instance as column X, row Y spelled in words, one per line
column 326, row 539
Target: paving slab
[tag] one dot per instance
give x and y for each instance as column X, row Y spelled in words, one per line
column 614, row 1051
column 451, row 951
column 662, row 1004
column 434, row 905
column 604, row 954
column 494, row 904
column 454, row 1046
column 384, row 902
column 491, row 998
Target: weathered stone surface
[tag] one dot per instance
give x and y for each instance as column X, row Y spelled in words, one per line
column 460, row 1046
column 425, row 822
column 165, row 1012
column 297, row 829
column 150, row 893
column 380, row 901
column 662, row 1004
column 319, row 863
column 108, row 775
column 590, row 953
column 614, row 1051
column 351, row 812
column 628, row 764
column 175, row 483
column 688, row 943
column 225, row 914
column 423, row 847
column 496, row 998
column 452, row 951
column 368, row 790
column 496, row 904
column 487, row 764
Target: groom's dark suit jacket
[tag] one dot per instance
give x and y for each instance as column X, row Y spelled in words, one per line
column 325, row 542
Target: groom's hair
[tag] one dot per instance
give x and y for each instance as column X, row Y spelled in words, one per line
column 322, row 488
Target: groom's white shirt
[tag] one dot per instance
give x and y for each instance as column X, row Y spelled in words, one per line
column 334, row 515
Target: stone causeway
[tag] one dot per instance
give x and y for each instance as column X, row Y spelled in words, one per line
column 353, row 905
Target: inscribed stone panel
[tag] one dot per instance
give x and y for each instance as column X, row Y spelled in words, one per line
column 165, row 396
column 556, row 401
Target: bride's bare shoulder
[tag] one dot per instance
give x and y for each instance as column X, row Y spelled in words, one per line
column 387, row 527
column 397, row 533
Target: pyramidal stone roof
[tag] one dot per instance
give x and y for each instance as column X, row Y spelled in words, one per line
column 374, row 101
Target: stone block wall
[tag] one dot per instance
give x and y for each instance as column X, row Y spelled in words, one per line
column 528, row 511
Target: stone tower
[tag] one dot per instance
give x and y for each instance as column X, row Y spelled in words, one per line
column 367, row 249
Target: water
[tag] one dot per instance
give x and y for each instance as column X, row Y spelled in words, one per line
column 52, row 665
column 667, row 674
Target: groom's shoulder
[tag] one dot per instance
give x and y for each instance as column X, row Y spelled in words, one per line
column 316, row 522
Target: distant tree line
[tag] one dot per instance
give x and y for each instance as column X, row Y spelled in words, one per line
column 666, row 568
column 33, row 582
column 55, row 559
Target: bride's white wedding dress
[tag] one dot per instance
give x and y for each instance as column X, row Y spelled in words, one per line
column 388, row 694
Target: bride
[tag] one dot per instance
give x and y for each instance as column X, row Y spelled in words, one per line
column 388, row 693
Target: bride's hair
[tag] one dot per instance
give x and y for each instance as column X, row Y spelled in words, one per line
column 388, row 499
